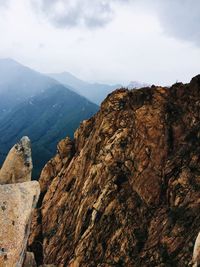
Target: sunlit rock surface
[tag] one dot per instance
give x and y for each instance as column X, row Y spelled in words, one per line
column 18, row 198
column 18, row 164
column 16, row 204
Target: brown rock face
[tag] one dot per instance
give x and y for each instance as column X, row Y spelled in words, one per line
column 17, row 167
column 126, row 192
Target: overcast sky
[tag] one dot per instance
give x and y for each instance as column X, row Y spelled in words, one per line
column 115, row 41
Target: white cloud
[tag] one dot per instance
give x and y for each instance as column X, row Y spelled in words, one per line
column 180, row 18
column 184, row 22
column 71, row 13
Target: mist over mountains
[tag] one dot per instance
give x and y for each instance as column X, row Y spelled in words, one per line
column 36, row 105
column 45, row 108
column 96, row 92
column 18, row 83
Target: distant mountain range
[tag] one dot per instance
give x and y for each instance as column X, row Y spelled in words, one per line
column 96, row 92
column 38, row 106
column 18, row 83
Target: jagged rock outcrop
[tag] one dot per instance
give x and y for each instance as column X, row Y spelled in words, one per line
column 126, row 191
column 18, row 164
column 17, row 202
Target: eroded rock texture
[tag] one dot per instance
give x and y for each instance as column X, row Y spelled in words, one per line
column 16, row 204
column 18, row 166
column 126, row 192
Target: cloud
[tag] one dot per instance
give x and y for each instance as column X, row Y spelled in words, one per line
column 72, row 13
column 179, row 19
column 3, row 3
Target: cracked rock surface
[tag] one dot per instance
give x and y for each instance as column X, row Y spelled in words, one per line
column 16, row 204
column 126, row 191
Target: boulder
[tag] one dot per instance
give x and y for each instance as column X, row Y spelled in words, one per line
column 18, row 164
column 16, row 204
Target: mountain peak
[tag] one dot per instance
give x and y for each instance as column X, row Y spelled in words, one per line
column 9, row 61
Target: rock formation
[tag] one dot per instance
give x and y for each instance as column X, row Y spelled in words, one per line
column 126, row 191
column 18, row 198
column 18, row 164
column 17, row 202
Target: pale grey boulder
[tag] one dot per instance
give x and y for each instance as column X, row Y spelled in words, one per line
column 17, row 202
column 18, row 165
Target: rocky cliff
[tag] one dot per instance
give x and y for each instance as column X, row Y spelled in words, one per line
column 126, row 191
